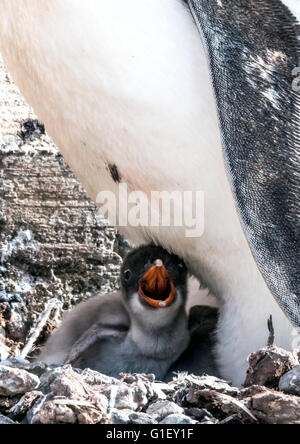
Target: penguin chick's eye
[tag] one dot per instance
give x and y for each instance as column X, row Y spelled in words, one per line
column 127, row 275
column 180, row 268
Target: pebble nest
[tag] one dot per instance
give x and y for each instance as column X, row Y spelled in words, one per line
column 33, row 393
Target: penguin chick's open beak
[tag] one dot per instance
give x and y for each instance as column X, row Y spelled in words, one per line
column 156, row 286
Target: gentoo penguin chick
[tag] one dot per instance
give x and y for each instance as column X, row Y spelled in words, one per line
column 141, row 329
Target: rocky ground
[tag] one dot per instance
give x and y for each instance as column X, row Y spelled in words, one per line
column 55, row 251
column 37, row 394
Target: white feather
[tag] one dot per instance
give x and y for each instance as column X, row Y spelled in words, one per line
column 294, row 6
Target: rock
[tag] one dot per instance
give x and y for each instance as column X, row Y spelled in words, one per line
column 272, row 407
column 133, row 378
column 4, row 350
column 126, row 416
column 198, row 413
column 69, row 384
column 190, row 386
column 119, row 416
column 36, row 408
column 290, row 382
column 141, row 418
column 14, row 381
column 122, row 398
column 18, row 324
column 37, row 368
column 208, row 421
column 51, row 413
column 225, row 405
column 133, row 392
column 17, row 362
column 19, row 411
column 92, row 377
column 141, row 387
column 6, row 403
column 50, row 375
column 177, row 419
column 72, row 401
column 145, row 388
column 161, row 409
column 5, row 420
column 31, row 129
column 267, row 365
column 205, row 382
column 73, row 396
column 207, row 393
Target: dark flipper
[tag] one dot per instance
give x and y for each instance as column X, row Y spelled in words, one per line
column 84, row 349
column 253, row 48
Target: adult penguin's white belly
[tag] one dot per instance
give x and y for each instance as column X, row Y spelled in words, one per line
column 294, row 6
column 126, row 83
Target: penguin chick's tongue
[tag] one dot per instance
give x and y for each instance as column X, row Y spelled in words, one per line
column 156, row 286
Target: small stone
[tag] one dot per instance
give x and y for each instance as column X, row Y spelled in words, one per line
column 267, row 365
column 209, row 421
column 198, row 413
column 93, row 377
column 18, row 362
column 6, row 403
column 50, row 375
column 5, row 420
column 190, row 383
column 37, row 368
column 19, row 411
column 96, row 414
column 177, row 419
column 161, row 409
column 133, row 378
column 141, row 418
column 140, row 394
column 4, row 350
column 222, row 403
column 18, row 325
column 14, row 381
column 72, row 400
column 36, row 408
column 272, row 407
column 121, row 397
column 120, row 416
column 52, row 413
column 68, row 384
column 144, row 388
column 290, row 382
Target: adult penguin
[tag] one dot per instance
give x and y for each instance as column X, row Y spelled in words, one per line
column 131, row 93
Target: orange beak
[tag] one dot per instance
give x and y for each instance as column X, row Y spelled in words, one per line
column 156, row 286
